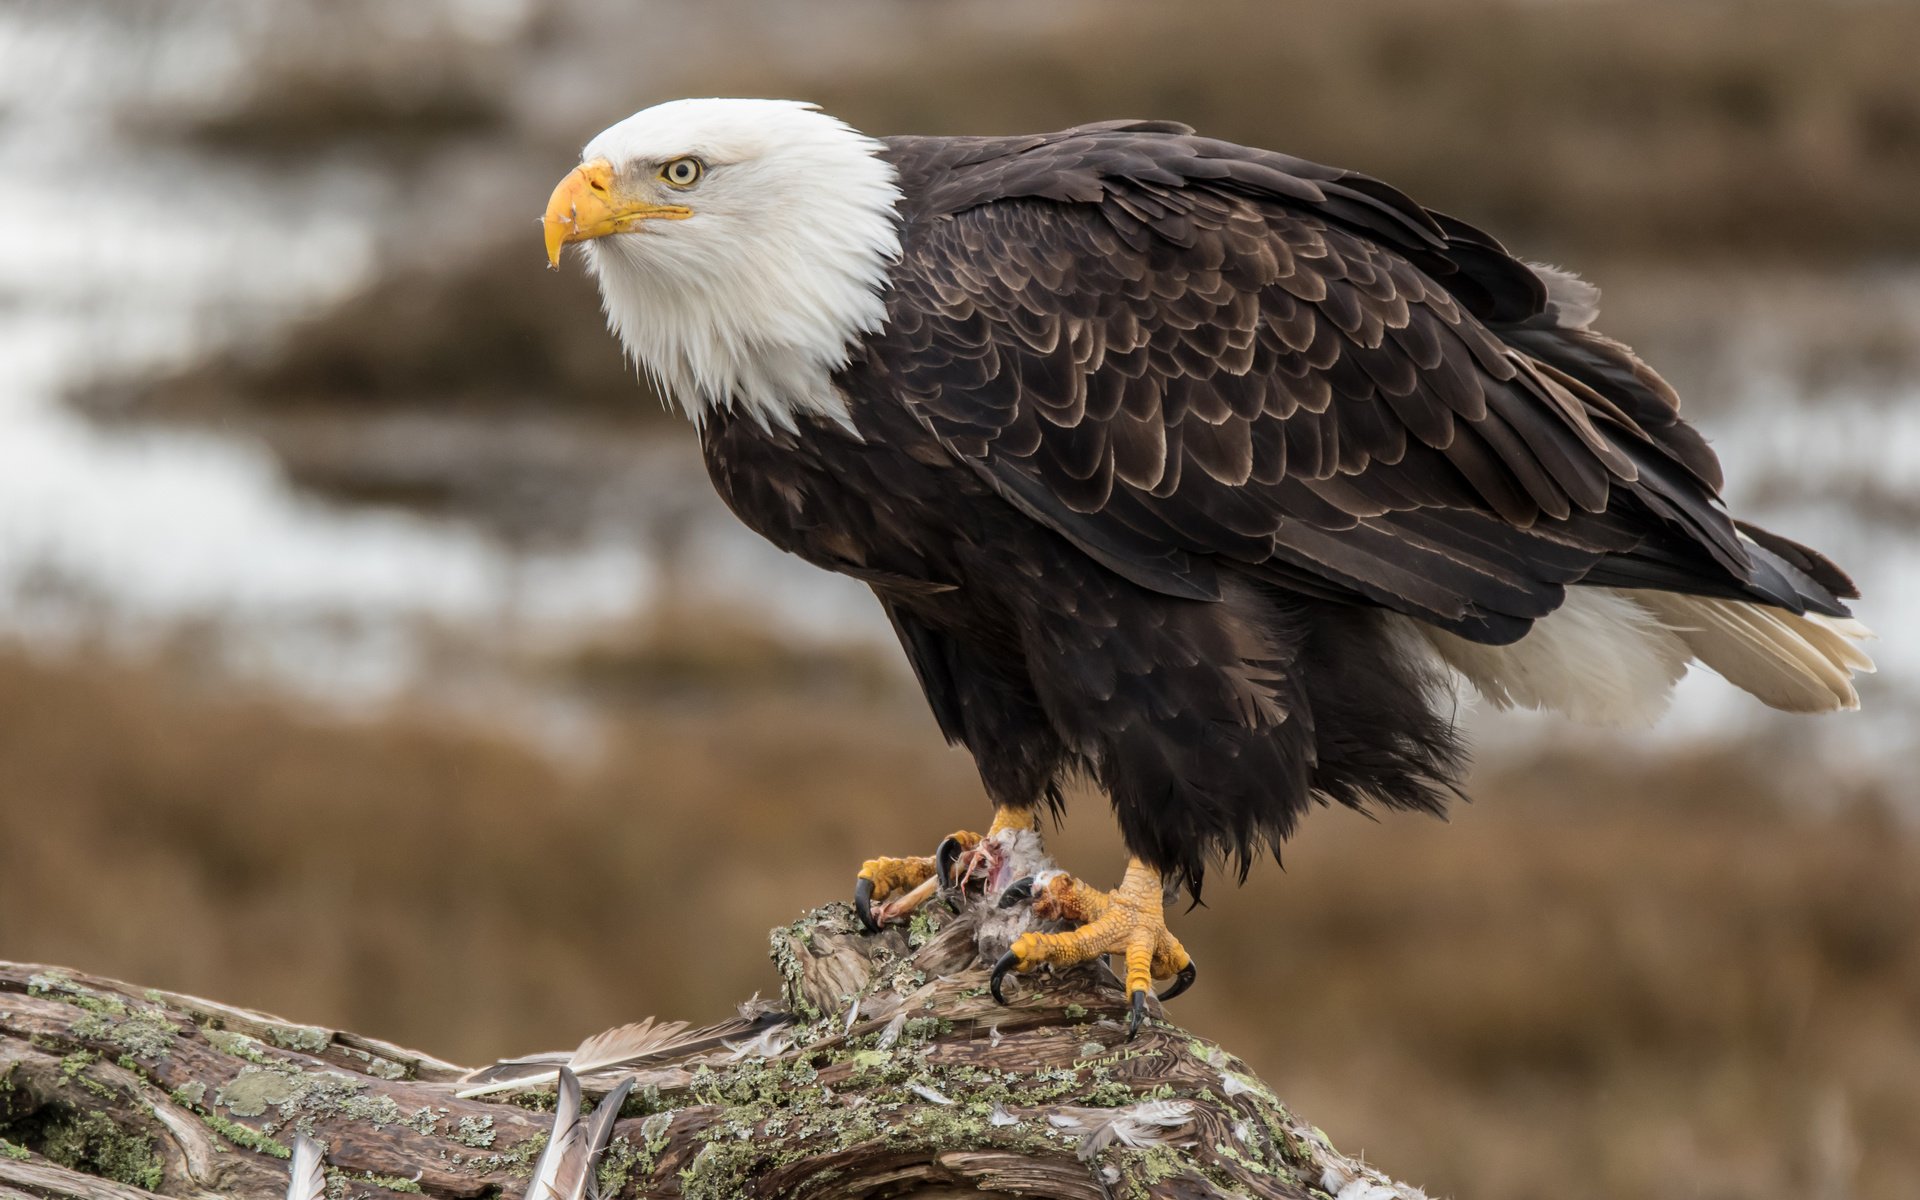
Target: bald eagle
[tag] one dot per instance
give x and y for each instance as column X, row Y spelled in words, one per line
column 1198, row 469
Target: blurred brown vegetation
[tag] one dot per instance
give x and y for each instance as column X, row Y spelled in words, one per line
column 489, row 333
column 349, row 73
column 1630, row 978
column 1749, row 128
column 1761, row 131
column 1624, row 138
column 1664, row 977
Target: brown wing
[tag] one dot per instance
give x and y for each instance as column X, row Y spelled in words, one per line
column 1179, row 352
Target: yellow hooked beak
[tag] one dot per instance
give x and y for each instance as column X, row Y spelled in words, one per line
column 585, row 205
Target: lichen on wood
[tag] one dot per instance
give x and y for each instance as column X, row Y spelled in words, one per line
column 884, row 1068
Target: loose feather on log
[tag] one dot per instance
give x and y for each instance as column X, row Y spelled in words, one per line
column 308, row 1172
column 617, row 1049
column 1137, row 1126
column 574, row 1148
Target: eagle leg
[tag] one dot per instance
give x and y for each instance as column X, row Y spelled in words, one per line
column 904, row 884
column 1130, row 921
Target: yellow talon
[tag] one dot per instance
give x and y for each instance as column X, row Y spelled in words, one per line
column 1130, row 920
column 880, row 878
column 889, row 875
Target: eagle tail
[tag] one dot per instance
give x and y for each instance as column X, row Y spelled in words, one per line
column 1611, row 656
column 1791, row 661
column 1598, row 658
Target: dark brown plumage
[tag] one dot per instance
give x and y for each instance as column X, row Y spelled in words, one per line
column 1161, row 434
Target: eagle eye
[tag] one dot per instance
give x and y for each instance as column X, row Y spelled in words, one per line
column 683, row 172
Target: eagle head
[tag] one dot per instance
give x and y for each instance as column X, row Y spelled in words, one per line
column 742, row 248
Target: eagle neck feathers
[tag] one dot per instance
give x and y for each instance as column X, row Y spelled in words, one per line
column 758, row 312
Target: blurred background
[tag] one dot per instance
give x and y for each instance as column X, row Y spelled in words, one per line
column 374, row 652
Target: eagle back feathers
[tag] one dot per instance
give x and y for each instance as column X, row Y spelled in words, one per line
column 1179, row 352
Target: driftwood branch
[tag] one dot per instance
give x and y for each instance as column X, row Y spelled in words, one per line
column 884, row 1069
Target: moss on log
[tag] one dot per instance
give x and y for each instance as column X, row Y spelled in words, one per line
column 885, row 1069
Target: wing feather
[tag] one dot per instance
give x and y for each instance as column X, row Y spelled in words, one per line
column 1175, row 351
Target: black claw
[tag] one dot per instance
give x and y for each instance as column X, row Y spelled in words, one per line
column 1017, row 891
column 943, row 860
column 1138, row 1014
column 863, row 904
column 1007, row 963
column 1181, row 982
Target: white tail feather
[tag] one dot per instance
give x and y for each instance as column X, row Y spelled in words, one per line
column 1612, row 656
column 1790, row 662
column 1599, row 657
column 1846, row 627
column 1837, row 635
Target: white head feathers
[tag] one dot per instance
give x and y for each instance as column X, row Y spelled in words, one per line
column 755, row 299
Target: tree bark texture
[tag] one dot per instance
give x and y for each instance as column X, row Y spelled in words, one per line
column 884, row 1069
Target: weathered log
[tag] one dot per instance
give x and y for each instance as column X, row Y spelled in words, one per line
column 885, row 1069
